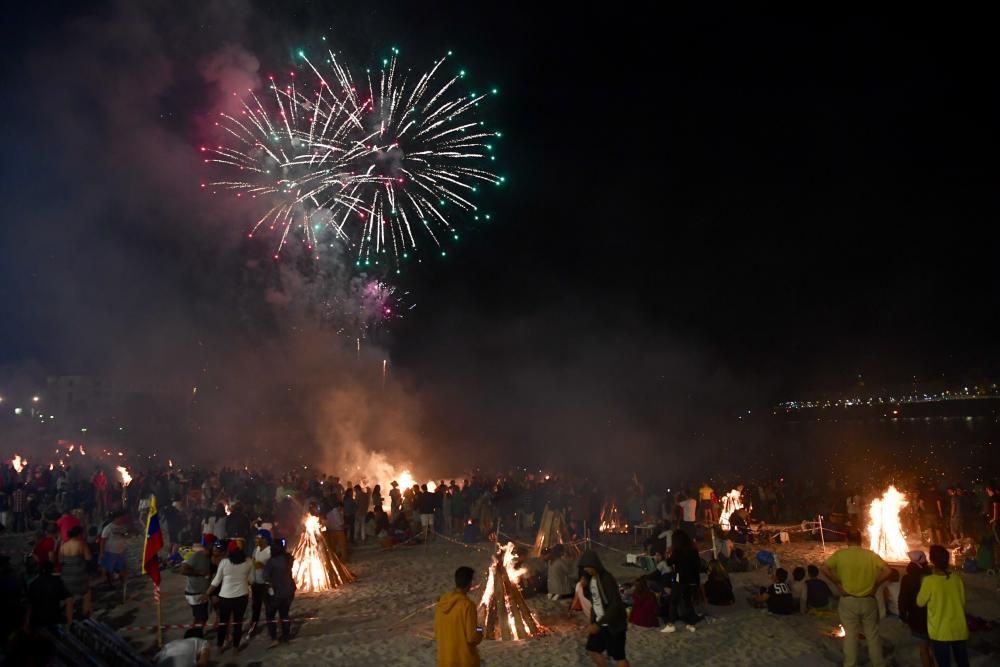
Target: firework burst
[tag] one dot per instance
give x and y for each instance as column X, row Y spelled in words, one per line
column 384, row 164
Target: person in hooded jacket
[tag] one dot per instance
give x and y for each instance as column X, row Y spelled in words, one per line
column 608, row 618
column 456, row 626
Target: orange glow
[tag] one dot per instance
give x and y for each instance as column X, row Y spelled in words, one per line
column 840, row 631
column 885, row 531
column 126, row 477
column 315, row 567
column 502, row 602
column 611, row 520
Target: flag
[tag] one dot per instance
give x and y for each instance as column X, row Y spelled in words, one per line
column 152, row 546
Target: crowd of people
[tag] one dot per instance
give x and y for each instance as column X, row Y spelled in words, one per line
column 227, row 530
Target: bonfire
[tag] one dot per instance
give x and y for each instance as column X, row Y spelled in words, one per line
column 506, row 614
column 611, row 520
column 316, row 568
column 552, row 530
column 885, row 531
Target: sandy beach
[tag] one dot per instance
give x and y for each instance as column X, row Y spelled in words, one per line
column 386, row 618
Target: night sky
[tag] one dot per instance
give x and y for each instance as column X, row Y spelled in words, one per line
column 703, row 212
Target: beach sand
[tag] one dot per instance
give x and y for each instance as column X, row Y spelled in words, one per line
column 386, row 618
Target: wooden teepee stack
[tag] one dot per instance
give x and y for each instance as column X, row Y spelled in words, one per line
column 552, row 530
column 506, row 614
column 316, row 568
column 611, row 520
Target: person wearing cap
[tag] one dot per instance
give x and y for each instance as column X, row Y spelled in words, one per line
column 857, row 573
column 608, row 620
column 258, row 589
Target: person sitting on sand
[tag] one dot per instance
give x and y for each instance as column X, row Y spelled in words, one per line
column 738, row 561
column 818, row 593
column 718, row 588
column 643, row 611
column 561, row 578
column 798, row 587
column 777, row 597
column 456, row 626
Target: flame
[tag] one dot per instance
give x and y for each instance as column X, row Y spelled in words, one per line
column 840, row 631
column 730, row 503
column 406, row 480
column 505, row 558
column 885, row 531
column 226, row 507
column 52, row 466
column 82, row 453
column 126, row 477
column 71, row 447
column 611, row 521
column 431, row 486
column 315, row 568
column 19, row 463
column 170, row 463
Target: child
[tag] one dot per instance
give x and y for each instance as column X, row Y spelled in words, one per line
column 799, row 588
column 888, row 596
column 818, row 593
column 778, row 596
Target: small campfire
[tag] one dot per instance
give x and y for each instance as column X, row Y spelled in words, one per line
column 552, row 530
column 507, row 615
column 611, row 520
column 885, row 530
column 316, row 568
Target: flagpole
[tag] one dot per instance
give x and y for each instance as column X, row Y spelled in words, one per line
column 159, row 617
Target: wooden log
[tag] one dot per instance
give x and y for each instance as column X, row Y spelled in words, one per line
column 521, row 609
column 501, row 605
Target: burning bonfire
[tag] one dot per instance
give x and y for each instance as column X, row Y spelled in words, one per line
column 507, row 615
column 552, row 530
column 316, row 568
column 611, row 520
column 885, row 531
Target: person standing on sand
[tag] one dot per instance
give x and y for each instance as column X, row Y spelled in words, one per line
column 857, row 573
column 608, row 621
column 456, row 627
column 943, row 593
column 705, row 494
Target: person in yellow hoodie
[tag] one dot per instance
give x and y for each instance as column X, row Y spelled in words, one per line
column 456, row 627
column 943, row 593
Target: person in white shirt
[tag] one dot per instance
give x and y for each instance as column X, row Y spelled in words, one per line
column 258, row 589
column 232, row 582
column 192, row 651
column 689, row 507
